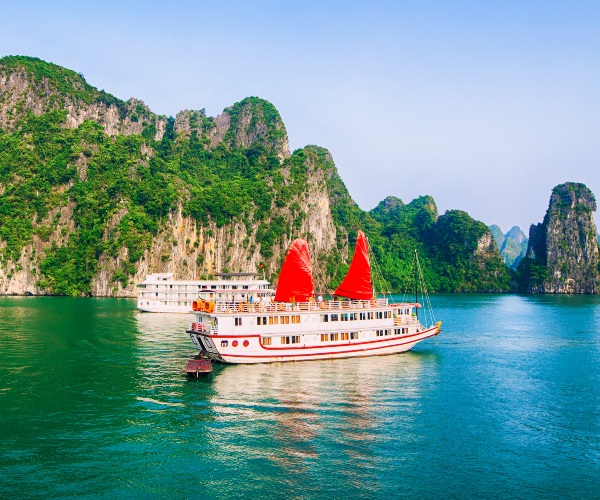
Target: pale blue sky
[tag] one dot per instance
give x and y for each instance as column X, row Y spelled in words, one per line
column 485, row 105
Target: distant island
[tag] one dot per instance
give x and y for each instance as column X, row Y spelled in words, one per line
column 96, row 192
column 512, row 245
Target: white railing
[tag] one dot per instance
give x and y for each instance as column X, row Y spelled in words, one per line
column 339, row 305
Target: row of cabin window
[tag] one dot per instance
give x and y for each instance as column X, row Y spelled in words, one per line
column 291, row 339
column 397, row 331
column 325, row 337
column 275, row 320
column 325, row 318
column 328, row 337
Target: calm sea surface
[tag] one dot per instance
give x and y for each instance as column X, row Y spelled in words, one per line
column 504, row 403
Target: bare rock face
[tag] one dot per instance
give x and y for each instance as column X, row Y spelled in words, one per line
column 249, row 123
column 563, row 249
column 20, row 94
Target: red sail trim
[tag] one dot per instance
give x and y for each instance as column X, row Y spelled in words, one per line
column 295, row 279
column 357, row 283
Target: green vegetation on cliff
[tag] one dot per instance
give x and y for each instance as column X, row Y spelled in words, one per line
column 79, row 195
column 453, row 249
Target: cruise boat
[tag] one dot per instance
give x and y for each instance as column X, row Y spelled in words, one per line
column 294, row 325
column 161, row 292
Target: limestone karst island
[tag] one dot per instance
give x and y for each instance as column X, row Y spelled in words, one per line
column 97, row 192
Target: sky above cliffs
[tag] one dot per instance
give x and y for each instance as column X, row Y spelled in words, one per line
column 486, row 106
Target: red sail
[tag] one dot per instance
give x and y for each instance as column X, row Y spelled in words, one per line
column 357, row 283
column 295, row 279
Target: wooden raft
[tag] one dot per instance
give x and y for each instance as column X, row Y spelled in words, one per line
column 198, row 366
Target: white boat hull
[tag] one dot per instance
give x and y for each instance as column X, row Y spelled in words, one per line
column 239, row 349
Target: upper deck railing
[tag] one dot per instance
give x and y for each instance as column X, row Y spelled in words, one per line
column 223, row 306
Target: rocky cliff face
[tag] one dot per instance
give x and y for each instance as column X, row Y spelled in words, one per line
column 562, row 256
column 29, row 85
column 96, row 192
column 183, row 245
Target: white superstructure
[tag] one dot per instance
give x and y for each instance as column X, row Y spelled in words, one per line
column 161, row 292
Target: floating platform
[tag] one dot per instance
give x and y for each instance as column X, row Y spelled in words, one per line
column 198, row 366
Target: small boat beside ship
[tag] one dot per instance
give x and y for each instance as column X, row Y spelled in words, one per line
column 294, row 325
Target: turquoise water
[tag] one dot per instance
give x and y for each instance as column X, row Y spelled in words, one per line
column 505, row 403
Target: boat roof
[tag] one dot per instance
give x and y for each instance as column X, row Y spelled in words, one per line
column 236, row 275
column 170, row 279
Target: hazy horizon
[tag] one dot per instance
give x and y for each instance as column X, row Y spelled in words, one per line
column 485, row 107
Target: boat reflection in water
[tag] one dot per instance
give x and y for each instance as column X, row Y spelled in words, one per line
column 307, row 410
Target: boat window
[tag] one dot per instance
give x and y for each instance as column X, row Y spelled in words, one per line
column 266, row 340
column 388, row 331
column 296, row 319
column 353, row 335
column 324, row 318
column 380, row 333
column 345, row 336
column 273, row 320
column 363, row 316
column 333, row 336
column 238, row 321
column 352, row 316
column 379, row 315
column 334, row 317
column 285, row 340
column 285, row 320
column 295, row 339
column 261, row 320
column 324, row 337
column 344, row 317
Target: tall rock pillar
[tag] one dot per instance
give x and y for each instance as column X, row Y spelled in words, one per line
column 563, row 256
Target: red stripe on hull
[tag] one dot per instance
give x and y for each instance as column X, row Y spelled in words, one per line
column 328, row 346
column 338, row 352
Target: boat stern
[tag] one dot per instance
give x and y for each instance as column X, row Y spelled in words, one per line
column 205, row 345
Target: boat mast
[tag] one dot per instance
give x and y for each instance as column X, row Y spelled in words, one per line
column 416, row 283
